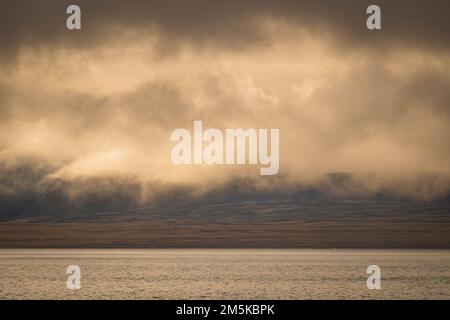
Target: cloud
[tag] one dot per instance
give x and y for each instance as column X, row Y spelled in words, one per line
column 91, row 113
column 221, row 24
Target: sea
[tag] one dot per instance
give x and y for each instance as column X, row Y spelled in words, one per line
column 223, row 274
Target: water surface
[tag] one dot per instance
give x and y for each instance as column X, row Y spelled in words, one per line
column 223, row 274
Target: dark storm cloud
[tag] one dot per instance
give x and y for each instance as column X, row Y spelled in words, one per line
column 225, row 23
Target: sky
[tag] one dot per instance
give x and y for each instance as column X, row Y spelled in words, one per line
column 90, row 112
